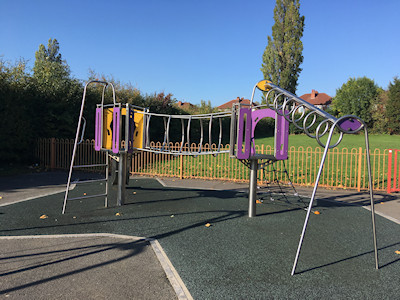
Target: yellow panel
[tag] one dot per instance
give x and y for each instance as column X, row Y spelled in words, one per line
column 107, row 130
column 262, row 85
column 138, row 133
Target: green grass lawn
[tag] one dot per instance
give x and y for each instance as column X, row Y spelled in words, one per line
column 380, row 141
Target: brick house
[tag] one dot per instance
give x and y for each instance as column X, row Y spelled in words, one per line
column 228, row 105
column 320, row 100
column 185, row 106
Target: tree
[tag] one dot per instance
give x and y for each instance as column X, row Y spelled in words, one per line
column 393, row 106
column 59, row 94
column 283, row 55
column 379, row 113
column 50, row 72
column 356, row 97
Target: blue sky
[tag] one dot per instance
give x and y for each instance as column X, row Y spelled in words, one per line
column 205, row 50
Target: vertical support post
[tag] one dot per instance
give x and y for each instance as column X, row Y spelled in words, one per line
column 395, row 183
column 53, row 154
column 359, row 169
column 121, row 192
column 389, row 175
column 107, row 170
column 253, row 187
column 181, row 167
column 262, row 169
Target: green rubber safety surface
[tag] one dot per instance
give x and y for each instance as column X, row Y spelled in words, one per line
column 236, row 257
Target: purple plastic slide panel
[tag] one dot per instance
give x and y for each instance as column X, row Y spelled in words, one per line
column 281, row 137
column 98, row 130
column 115, row 132
column 246, row 131
column 256, row 117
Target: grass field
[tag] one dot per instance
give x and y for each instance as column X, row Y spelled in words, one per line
column 376, row 141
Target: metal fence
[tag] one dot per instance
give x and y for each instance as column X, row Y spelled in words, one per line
column 344, row 168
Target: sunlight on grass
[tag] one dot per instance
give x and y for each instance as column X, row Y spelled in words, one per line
column 376, row 141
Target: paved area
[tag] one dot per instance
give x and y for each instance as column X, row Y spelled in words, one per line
column 81, row 267
column 234, row 257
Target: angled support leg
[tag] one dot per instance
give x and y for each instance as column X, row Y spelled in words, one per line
column 321, row 166
column 371, row 197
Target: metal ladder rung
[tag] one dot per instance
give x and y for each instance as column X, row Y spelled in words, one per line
column 89, row 181
column 90, row 166
column 86, row 197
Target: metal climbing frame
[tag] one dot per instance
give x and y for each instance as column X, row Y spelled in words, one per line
column 296, row 110
column 186, row 124
column 78, row 141
column 281, row 105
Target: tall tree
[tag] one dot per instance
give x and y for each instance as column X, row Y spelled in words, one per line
column 60, row 95
column 50, row 72
column 393, row 106
column 356, row 97
column 283, row 55
column 379, row 113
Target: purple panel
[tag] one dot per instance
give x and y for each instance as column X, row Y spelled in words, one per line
column 350, row 124
column 281, row 138
column 246, row 131
column 131, row 130
column 98, row 130
column 115, row 132
column 281, row 131
column 256, row 117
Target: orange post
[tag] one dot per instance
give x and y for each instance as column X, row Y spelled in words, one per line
column 389, row 174
column 359, row 169
column 181, row 167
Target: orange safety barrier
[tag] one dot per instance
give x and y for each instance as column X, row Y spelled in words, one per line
column 344, row 168
column 393, row 184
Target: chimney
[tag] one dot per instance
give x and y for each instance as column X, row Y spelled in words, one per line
column 314, row 93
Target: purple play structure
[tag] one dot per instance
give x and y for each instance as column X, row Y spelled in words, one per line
column 248, row 120
column 280, row 105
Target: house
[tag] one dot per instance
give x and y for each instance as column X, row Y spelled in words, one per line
column 185, row 106
column 320, row 100
column 228, row 105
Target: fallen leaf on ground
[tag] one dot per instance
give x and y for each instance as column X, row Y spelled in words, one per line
column 208, row 225
column 317, row 212
column 118, row 214
column 397, row 251
column 258, row 201
column 43, row 217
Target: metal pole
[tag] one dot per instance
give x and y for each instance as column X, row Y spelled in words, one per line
column 107, row 170
column 74, row 149
column 321, row 166
column 371, row 196
column 121, row 190
column 253, row 187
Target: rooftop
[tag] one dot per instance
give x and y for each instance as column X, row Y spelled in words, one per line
column 317, row 98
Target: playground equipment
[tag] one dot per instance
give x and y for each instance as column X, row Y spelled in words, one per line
column 122, row 129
